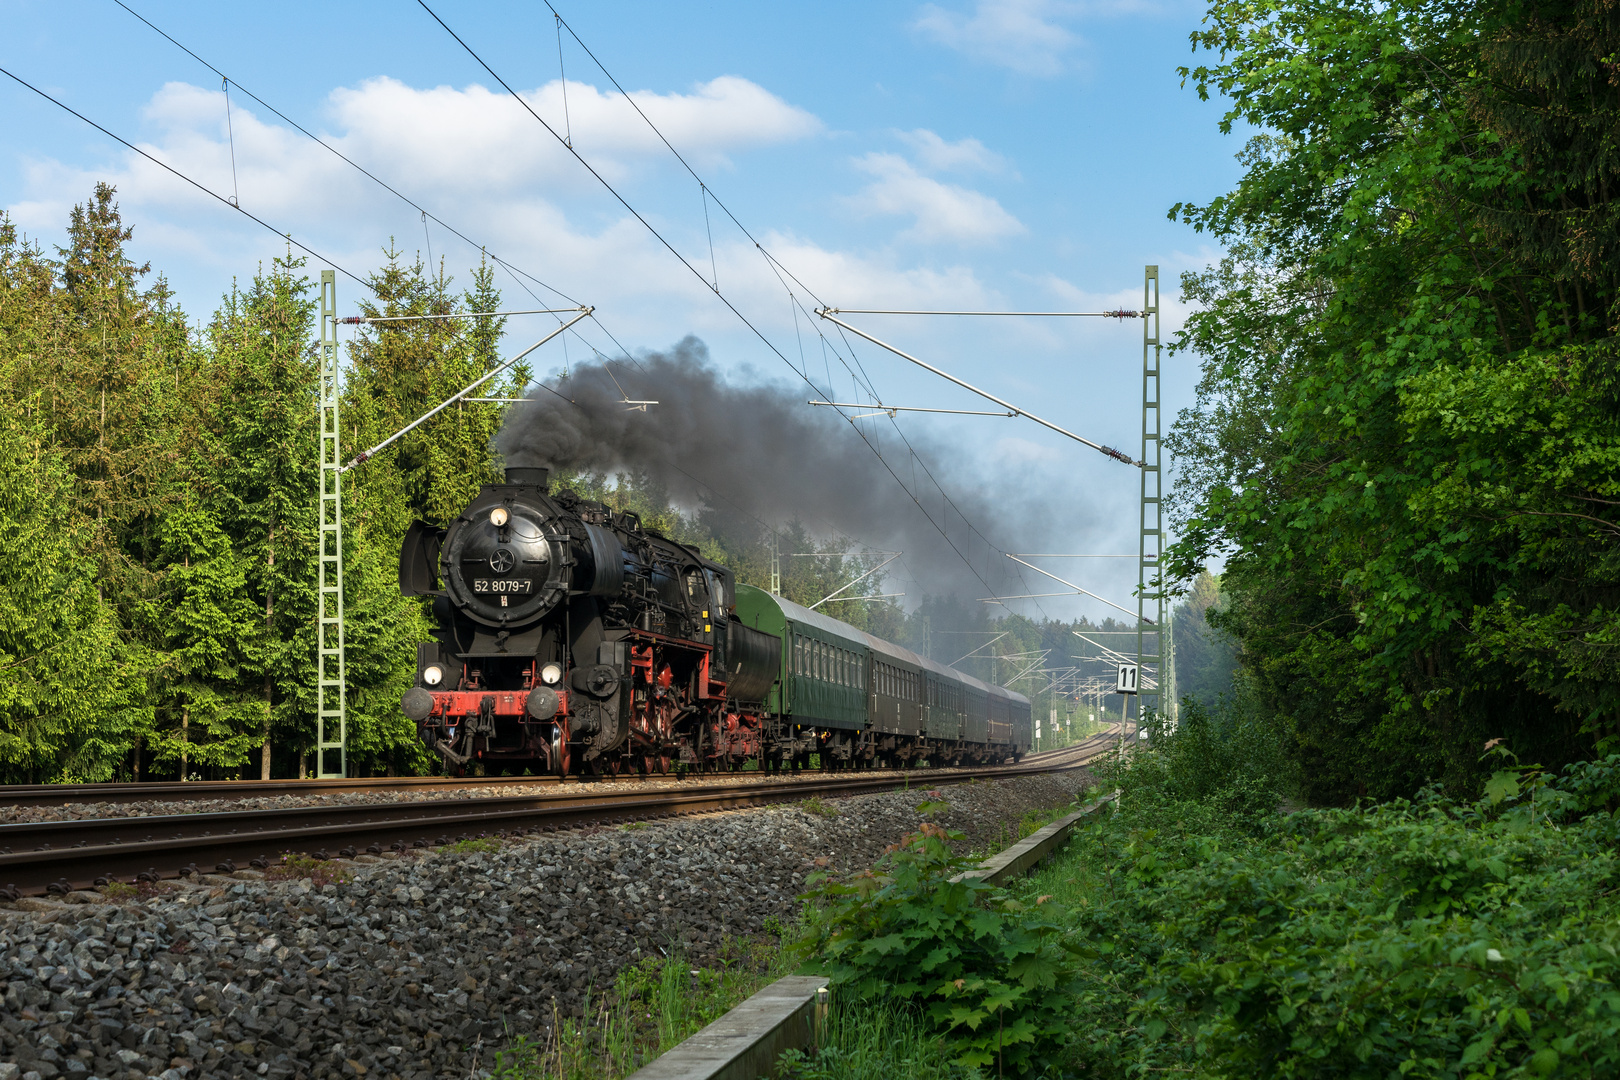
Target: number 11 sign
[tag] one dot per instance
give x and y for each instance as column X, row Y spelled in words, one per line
column 1127, row 679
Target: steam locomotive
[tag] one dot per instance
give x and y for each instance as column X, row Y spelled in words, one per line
column 573, row 640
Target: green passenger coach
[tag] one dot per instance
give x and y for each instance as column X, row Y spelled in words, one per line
column 858, row 701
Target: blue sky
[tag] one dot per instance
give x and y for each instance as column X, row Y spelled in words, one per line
column 1001, row 154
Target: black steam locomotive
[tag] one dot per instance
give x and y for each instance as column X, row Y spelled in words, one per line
column 571, row 639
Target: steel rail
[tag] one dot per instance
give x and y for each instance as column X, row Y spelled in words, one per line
column 63, row 855
column 201, row 790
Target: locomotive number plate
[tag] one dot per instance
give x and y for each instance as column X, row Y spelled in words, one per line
column 502, row 585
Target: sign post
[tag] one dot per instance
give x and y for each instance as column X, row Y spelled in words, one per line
column 1126, row 679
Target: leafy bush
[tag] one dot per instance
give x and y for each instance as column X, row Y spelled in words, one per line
column 1429, row 937
column 987, row 973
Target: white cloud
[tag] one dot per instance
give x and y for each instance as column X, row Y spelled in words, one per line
column 444, row 144
column 940, row 211
column 937, row 154
column 481, row 138
column 1025, row 36
column 843, row 278
column 463, row 155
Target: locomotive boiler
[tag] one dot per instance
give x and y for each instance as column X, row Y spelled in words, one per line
column 571, row 639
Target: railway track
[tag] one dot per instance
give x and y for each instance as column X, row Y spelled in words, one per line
column 208, row 790
column 60, row 856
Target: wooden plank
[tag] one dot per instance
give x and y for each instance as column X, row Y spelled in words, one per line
column 745, row 1043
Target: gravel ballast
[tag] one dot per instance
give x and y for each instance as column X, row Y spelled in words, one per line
column 422, row 965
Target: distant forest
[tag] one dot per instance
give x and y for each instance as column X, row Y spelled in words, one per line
column 157, row 517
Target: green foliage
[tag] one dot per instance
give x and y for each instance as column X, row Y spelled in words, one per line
column 814, row 805
column 63, row 681
column 873, row 1040
column 986, row 972
column 294, row 866
column 1407, row 440
column 653, row 1005
column 1428, row 937
column 473, row 846
column 1229, row 759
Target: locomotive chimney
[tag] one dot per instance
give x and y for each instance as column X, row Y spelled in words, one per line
column 527, row 477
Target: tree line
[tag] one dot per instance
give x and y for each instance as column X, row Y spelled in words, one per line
column 1407, row 440
column 158, row 526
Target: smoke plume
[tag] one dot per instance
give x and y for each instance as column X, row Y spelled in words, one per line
column 756, row 450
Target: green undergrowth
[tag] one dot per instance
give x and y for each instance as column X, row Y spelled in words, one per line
column 984, row 974
column 874, row 1040
column 1422, row 938
column 474, row 846
column 650, row 1007
column 1198, row 929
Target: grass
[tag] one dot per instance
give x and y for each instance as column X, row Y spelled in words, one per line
column 872, row 1041
column 294, row 867
column 485, row 844
column 814, row 805
column 651, row 1007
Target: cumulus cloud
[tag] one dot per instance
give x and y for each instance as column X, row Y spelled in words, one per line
column 448, row 144
column 475, row 136
column 1025, row 36
column 940, row 211
column 942, row 156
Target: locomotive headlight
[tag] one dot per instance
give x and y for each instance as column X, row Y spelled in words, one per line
column 499, row 516
column 551, row 674
column 433, row 674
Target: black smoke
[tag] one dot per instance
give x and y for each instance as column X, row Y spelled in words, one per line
column 758, row 448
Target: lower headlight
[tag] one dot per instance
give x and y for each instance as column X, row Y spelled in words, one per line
column 551, row 674
column 433, row 674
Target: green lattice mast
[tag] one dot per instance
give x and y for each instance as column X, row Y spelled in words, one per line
column 331, row 753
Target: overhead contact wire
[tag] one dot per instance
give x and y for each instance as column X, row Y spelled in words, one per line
column 225, row 200
column 516, row 271
column 683, row 260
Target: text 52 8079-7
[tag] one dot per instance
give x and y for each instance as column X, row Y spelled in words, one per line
column 502, row 585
